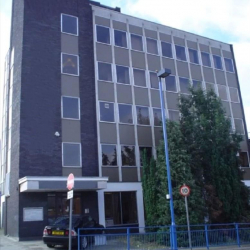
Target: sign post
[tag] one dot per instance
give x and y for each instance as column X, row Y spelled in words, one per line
column 185, row 191
column 70, row 195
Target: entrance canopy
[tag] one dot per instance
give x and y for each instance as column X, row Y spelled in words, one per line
column 58, row 183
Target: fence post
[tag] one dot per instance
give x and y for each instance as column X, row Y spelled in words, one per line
column 237, row 234
column 207, row 240
column 128, row 238
column 78, row 239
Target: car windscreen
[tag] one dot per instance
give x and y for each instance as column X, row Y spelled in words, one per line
column 64, row 221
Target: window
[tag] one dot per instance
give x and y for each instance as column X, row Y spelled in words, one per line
column 197, row 84
column 193, row 56
column 120, row 38
column 104, row 71
column 222, row 92
column 171, row 83
column 125, row 113
column 152, row 46
column 70, row 64
column 217, row 62
column 157, row 117
column 142, row 115
column 70, row 108
column 205, row 57
column 128, row 155
column 154, row 82
column 136, row 42
column 109, row 155
column 229, row 65
column 234, row 95
column 174, row 115
column 122, row 74
column 147, row 151
column 107, row 112
column 180, row 53
column 239, row 126
column 184, row 85
column 244, row 161
column 69, row 24
column 139, row 77
column 166, row 49
column 210, row 86
column 120, row 208
column 102, row 34
column 72, row 154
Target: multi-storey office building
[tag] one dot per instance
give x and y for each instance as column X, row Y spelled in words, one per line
column 81, row 96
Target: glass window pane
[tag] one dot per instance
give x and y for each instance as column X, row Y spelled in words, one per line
column 109, row 155
column 107, row 112
column 143, row 150
column 125, row 113
column 139, row 77
column 157, row 117
column 152, row 46
column 184, row 85
column 129, row 208
column 154, row 80
column 197, row 84
column 122, row 74
column 180, row 53
column 234, row 95
column 244, row 162
column 128, row 155
column 171, row 83
column 70, row 64
column 193, row 56
column 136, row 42
column 120, row 38
column 104, row 71
column 71, row 108
column 69, row 24
column 205, row 59
column 217, row 62
column 222, row 92
column 229, row 65
column 142, row 115
column 239, row 126
column 102, row 34
column 112, row 209
column 71, row 155
column 166, row 49
column 174, row 115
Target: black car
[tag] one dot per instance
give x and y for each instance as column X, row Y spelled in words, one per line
column 58, row 232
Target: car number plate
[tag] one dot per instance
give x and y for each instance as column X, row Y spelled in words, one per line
column 57, row 233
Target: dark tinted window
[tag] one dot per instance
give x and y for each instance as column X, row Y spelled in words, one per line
column 239, row 126
column 171, row 83
column 152, row 46
column 157, row 117
column 69, row 24
column 71, row 154
column 184, row 85
column 197, row 84
column 154, row 82
column 70, row 108
column 125, row 113
column 129, row 208
column 109, row 155
column 70, row 64
column 107, row 112
column 244, row 162
column 103, row 34
column 217, row 62
column 64, row 221
column 128, row 155
column 193, row 56
column 147, row 151
column 205, row 59
column 229, row 65
column 174, row 115
column 120, row 38
column 139, row 77
column 104, row 71
column 136, row 42
column 166, row 49
column 142, row 115
column 180, row 53
column 122, row 74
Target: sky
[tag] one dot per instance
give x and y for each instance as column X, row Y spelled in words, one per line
column 224, row 20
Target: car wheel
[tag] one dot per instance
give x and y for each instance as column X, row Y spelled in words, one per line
column 50, row 246
column 84, row 242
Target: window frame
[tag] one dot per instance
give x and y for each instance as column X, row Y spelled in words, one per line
column 143, row 106
column 126, row 39
column 106, row 144
column 171, row 45
column 78, row 68
column 77, row 24
column 145, row 74
column 214, row 62
column 129, row 74
column 109, row 34
column 150, row 86
column 142, row 38
column 99, row 107
column 125, row 104
column 197, row 56
column 226, row 66
column 209, row 56
column 237, row 94
column 78, row 143
column 157, row 46
column 79, row 106
column 176, row 53
column 97, row 66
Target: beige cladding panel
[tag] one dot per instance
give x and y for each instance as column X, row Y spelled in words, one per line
column 216, row 51
column 204, row 48
column 124, row 93
column 71, row 130
column 243, row 144
column 127, row 134
column 103, row 53
column 196, row 72
column 129, row 174
column 232, row 80
column 144, row 136
column 179, row 41
column 69, row 44
column 121, row 56
column 108, row 133
column 165, row 38
column 182, row 69
column 172, row 100
column 70, row 85
column 119, row 25
column 138, row 60
column 208, row 75
column 220, row 77
column 169, row 64
column 75, row 171
column 192, row 45
column 155, row 98
column 135, row 30
column 151, row 33
column 226, row 107
column 106, row 91
column 237, row 110
column 158, row 135
column 102, row 21
column 154, row 62
column 112, row 173
column 227, row 54
column 141, row 96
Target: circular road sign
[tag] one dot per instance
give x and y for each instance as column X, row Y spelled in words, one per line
column 70, row 181
column 185, row 190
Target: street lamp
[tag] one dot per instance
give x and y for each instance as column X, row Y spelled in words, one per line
column 163, row 73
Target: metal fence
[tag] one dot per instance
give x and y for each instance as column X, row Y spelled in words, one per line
column 158, row 238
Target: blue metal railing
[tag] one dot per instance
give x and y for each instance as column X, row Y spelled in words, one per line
column 159, row 238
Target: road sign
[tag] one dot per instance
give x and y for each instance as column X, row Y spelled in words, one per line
column 70, row 194
column 185, row 190
column 70, row 182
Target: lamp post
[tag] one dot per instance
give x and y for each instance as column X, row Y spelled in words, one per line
column 163, row 73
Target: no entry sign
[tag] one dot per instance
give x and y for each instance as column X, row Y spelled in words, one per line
column 185, row 190
column 70, row 182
